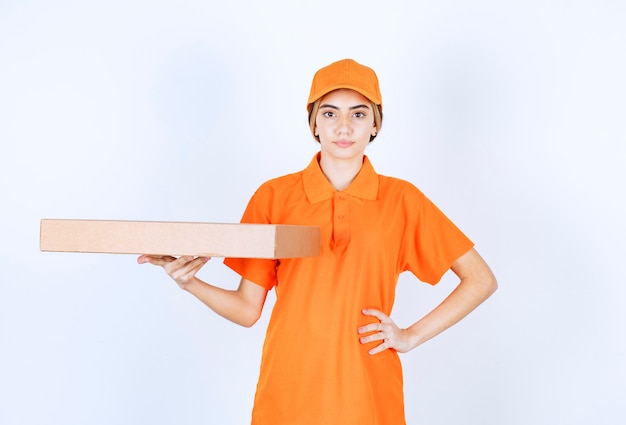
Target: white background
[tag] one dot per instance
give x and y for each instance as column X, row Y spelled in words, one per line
column 510, row 115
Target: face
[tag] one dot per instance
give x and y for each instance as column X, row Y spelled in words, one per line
column 344, row 124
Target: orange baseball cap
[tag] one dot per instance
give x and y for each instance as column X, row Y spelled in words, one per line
column 345, row 74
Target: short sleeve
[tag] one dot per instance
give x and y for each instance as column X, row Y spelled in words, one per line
column 259, row 271
column 432, row 241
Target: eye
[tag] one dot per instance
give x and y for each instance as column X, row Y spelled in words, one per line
column 359, row 114
column 328, row 114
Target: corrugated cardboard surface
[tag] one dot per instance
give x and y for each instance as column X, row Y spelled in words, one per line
column 180, row 238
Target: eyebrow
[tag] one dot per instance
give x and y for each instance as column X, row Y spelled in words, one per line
column 326, row 105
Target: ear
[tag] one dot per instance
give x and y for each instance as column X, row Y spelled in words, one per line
column 374, row 131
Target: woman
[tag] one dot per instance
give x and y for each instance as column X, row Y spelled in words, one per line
column 330, row 354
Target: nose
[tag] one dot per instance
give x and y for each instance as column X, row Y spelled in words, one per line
column 344, row 126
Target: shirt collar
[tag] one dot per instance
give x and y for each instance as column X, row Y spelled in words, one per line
column 318, row 188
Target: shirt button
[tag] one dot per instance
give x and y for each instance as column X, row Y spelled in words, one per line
column 341, row 197
column 340, row 217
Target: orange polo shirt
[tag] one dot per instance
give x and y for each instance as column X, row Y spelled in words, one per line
column 314, row 370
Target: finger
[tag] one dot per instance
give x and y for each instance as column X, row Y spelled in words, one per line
column 178, row 267
column 372, row 327
column 184, row 259
column 185, row 267
column 142, row 259
column 157, row 260
column 190, row 261
column 378, row 336
column 196, row 264
column 180, row 262
column 379, row 348
column 375, row 313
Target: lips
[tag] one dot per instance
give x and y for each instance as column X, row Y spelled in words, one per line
column 343, row 143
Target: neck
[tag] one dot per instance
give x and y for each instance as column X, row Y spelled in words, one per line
column 340, row 173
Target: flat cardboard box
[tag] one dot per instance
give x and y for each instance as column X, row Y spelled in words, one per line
column 180, row 238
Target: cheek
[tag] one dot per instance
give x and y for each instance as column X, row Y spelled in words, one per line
column 321, row 129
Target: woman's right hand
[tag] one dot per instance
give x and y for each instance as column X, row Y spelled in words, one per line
column 182, row 269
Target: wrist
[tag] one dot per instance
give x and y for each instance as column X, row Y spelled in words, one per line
column 189, row 285
column 414, row 337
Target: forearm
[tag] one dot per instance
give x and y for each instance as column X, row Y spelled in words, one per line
column 232, row 305
column 468, row 295
column 242, row 306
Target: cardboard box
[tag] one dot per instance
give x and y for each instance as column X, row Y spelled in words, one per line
column 178, row 238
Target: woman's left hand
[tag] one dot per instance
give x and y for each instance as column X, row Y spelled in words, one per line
column 386, row 331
